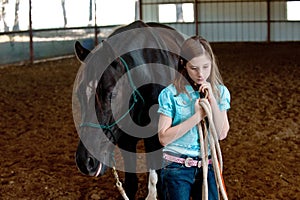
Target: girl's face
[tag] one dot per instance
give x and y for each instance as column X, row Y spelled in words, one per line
column 199, row 69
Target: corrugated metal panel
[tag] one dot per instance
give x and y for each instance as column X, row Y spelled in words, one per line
column 187, row 29
column 278, row 10
column 150, row 13
column 232, row 21
column 285, row 31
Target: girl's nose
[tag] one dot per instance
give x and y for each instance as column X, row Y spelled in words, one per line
column 199, row 72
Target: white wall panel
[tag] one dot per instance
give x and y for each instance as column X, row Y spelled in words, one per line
column 150, row 13
column 230, row 32
column 246, row 11
column 185, row 28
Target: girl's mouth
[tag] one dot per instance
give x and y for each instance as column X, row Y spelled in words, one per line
column 200, row 80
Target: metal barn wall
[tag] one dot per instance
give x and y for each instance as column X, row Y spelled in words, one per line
column 216, row 20
column 232, row 20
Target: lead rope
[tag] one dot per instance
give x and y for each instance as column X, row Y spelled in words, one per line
column 213, row 140
column 119, row 184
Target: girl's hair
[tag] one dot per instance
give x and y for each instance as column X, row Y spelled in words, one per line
column 193, row 47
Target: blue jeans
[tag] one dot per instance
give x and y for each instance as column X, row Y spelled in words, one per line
column 181, row 183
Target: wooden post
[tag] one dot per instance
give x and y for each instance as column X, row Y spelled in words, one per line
column 30, row 35
column 268, row 21
column 196, row 16
column 140, row 2
column 96, row 30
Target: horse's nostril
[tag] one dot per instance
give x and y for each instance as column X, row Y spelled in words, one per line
column 90, row 163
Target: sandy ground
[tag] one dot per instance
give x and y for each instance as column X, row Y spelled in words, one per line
column 261, row 153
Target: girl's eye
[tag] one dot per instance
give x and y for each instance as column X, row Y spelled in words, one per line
column 193, row 68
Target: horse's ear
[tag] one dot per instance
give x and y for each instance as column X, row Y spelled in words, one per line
column 81, row 52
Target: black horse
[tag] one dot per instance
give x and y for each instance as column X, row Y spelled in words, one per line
column 115, row 97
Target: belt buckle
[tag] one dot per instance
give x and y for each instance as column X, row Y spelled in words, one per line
column 187, row 160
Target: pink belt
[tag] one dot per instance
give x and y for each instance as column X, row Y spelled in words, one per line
column 188, row 162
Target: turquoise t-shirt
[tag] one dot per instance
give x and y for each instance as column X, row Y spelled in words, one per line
column 180, row 107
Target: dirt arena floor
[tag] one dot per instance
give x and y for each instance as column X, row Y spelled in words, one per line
column 261, row 153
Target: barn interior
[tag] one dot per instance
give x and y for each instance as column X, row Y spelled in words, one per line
column 256, row 42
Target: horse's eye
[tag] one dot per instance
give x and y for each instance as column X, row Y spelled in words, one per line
column 113, row 95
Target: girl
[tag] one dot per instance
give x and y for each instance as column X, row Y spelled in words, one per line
column 180, row 113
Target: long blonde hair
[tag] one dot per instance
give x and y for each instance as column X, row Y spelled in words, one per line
column 193, row 47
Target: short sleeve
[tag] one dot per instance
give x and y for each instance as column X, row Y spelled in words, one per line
column 165, row 100
column 224, row 103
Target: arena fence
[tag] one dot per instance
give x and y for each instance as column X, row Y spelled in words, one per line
column 23, row 46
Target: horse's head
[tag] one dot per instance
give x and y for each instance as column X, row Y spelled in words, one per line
column 94, row 91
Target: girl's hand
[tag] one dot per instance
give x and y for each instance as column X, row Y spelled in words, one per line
column 206, row 86
column 199, row 110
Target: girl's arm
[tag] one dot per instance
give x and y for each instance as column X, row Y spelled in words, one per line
column 220, row 118
column 168, row 133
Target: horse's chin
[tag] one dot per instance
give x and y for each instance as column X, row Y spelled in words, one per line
column 100, row 170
